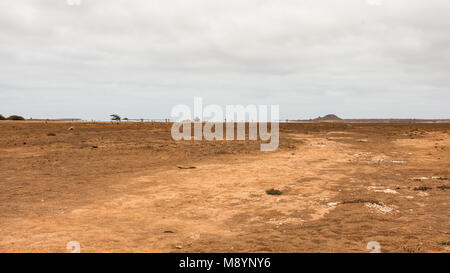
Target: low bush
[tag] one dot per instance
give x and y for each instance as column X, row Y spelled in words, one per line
column 15, row 117
column 273, row 192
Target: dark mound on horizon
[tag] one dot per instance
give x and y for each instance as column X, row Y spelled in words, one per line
column 329, row 117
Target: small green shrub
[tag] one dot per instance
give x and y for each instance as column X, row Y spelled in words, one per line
column 15, row 117
column 2, row 117
column 273, row 192
column 444, row 243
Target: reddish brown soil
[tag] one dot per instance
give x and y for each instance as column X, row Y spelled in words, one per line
column 118, row 188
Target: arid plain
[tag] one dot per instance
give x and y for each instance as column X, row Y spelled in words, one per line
column 128, row 187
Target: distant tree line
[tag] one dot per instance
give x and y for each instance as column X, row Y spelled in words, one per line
column 13, row 117
column 116, row 117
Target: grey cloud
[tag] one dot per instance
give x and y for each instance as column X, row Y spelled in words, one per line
column 143, row 57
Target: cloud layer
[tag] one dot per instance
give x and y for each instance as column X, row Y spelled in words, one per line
column 139, row 58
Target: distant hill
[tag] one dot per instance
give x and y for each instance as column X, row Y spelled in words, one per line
column 329, row 117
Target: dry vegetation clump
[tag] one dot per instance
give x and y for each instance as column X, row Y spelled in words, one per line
column 362, row 201
column 422, row 188
column 443, row 187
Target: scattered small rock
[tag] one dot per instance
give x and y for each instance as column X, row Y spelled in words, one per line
column 439, row 178
column 379, row 161
column 186, row 168
column 71, row 129
column 419, row 178
column 387, row 191
column 397, row 161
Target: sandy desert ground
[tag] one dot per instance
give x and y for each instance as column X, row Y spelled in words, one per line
column 119, row 188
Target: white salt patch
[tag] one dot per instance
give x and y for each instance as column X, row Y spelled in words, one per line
column 381, row 208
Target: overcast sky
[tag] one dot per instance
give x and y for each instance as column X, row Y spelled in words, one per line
column 139, row 58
